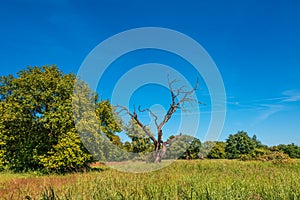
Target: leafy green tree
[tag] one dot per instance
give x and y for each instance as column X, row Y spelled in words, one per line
column 178, row 148
column 35, row 114
column 239, row 144
column 291, row 149
column 66, row 155
column 88, row 125
column 258, row 143
column 140, row 142
column 206, row 148
column 217, row 151
column 184, row 147
column 109, row 122
column 97, row 124
column 37, row 129
column 127, row 146
column 193, row 149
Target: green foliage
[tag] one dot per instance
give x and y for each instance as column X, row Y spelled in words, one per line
column 2, row 158
column 37, row 129
column 35, row 113
column 67, row 155
column 259, row 151
column 110, row 124
column 291, row 149
column 127, row 146
column 194, row 149
column 109, row 121
column 263, row 154
column 258, row 143
column 2, row 147
column 217, row 151
column 184, row 147
column 239, row 144
column 178, row 148
column 140, row 141
column 87, row 123
column 206, row 148
column 276, row 157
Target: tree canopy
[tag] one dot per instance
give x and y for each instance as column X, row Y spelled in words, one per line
column 238, row 144
column 140, row 143
column 37, row 129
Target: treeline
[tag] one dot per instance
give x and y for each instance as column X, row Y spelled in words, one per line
column 242, row 146
column 37, row 129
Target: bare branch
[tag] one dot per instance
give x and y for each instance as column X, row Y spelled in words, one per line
column 179, row 96
column 173, row 95
column 170, row 141
column 187, row 97
column 164, row 145
column 123, row 108
column 135, row 117
column 152, row 114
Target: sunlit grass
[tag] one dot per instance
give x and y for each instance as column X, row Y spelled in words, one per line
column 201, row 179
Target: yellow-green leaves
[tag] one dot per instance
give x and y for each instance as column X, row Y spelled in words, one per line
column 37, row 128
column 67, row 155
column 36, row 114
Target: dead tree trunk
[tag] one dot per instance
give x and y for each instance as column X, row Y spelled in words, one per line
column 178, row 98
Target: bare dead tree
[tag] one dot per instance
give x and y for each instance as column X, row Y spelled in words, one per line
column 179, row 97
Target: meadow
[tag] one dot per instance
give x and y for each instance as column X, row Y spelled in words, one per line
column 197, row 179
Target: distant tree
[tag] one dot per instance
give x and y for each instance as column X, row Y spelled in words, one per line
column 140, row 142
column 239, row 144
column 185, row 147
column 194, row 148
column 258, row 143
column 127, row 146
column 291, row 149
column 206, row 148
column 217, row 151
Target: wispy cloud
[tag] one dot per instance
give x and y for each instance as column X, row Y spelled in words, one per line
column 268, row 110
column 263, row 109
column 259, row 109
column 291, row 96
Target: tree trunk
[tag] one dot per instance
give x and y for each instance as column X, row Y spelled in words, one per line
column 157, row 156
column 160, row 152
column 187, row 155
column 178, row 97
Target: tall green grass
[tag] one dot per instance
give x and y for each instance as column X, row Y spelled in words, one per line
column 201, row 179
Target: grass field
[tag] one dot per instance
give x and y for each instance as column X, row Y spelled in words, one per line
column 201, row 179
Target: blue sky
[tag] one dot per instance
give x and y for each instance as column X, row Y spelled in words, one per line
column 255, row 45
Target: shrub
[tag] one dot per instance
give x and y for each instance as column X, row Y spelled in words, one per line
column 217, row 151
column 291, row 149
column 275, row 157
column 247, row 157
column 67, row 155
